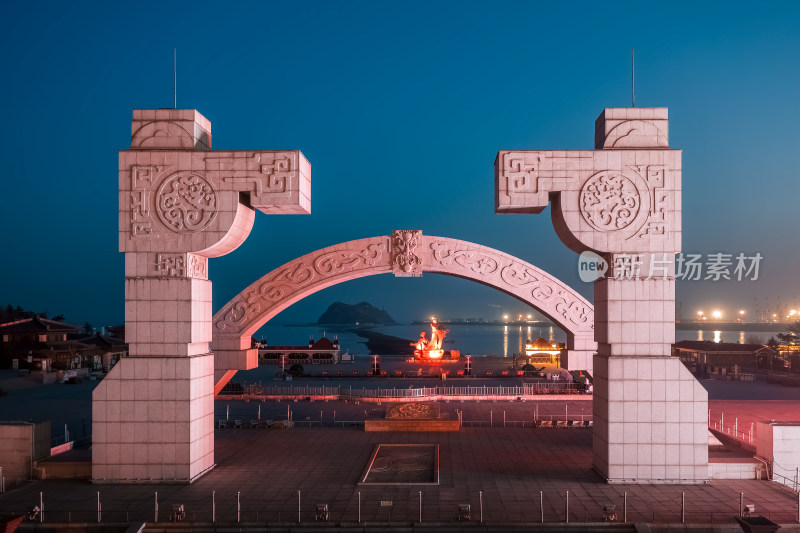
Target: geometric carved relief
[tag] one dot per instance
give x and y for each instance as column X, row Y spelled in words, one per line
column 141, row 180
column 181, row 265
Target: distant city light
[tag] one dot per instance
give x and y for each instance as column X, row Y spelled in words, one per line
column 717, row 313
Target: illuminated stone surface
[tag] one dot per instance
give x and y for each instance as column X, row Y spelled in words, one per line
column 623, row 202
column 179, row 205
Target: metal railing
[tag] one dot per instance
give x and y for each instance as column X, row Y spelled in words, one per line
column 347, row 392
column 291, row 508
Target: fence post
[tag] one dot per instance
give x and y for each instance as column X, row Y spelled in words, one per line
column 359, row 507
column 541, row 506
column 741, row 502
column 683, row 507
column 567, row 513
column 156, row 508
column 238, row 507
column 98, row 507
column 625, row 507
column 420, row 507
column 41, row 507
column 480, row 502
column 298, row 507
column 213, row 506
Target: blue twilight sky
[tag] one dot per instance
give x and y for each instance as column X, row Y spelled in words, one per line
column 401, row 108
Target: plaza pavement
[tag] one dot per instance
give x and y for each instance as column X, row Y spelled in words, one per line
column 506, row 468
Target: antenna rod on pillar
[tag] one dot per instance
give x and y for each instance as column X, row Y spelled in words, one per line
column 175, row 77
column 633, row 80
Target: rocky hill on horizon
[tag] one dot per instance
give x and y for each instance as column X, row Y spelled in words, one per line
column 340, row 313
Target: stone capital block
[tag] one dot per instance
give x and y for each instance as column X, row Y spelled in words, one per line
column 170, row 129
column 178, row 196
column 622, row 197
column 626, row 128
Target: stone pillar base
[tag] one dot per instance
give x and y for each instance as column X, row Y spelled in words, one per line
column 650, row 421
column 153, row 420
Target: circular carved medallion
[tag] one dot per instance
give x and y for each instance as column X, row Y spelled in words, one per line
column 609, row 202
column 186, row 203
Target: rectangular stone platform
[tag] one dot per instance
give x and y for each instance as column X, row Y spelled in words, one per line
column 410, row 424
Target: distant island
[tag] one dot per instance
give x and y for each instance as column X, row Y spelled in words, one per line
column 339, row 313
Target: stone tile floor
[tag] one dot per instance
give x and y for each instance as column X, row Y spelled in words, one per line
column 504, row 468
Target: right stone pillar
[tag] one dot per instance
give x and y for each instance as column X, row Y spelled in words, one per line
column 622, row 204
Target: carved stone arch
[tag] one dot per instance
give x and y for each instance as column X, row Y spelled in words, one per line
column 404, row 253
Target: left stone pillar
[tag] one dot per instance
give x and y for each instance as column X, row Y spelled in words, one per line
column 179, row 204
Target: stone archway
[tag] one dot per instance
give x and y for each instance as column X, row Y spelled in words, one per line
column 182, row 203
column 404, row 253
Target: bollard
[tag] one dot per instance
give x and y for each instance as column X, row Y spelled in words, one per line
column 98, row 507
column 567, row 509
column 298, row 507
column 480, row 497
column 541, row 506
column 359, row 507
column 155, row 517
column 491, row 418
column 41, row 507
column 420, row 507
column 741, row 503
column 625, row 507
column 213, row 506
column 238, row 507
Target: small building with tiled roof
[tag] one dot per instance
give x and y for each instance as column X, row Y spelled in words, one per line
column 42, row 344
column 724, row 354
column 323, row 350
column 102, row 352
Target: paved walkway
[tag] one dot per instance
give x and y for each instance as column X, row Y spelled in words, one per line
column 504, row 468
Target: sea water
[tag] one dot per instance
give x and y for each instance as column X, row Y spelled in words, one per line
column 478, row 340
